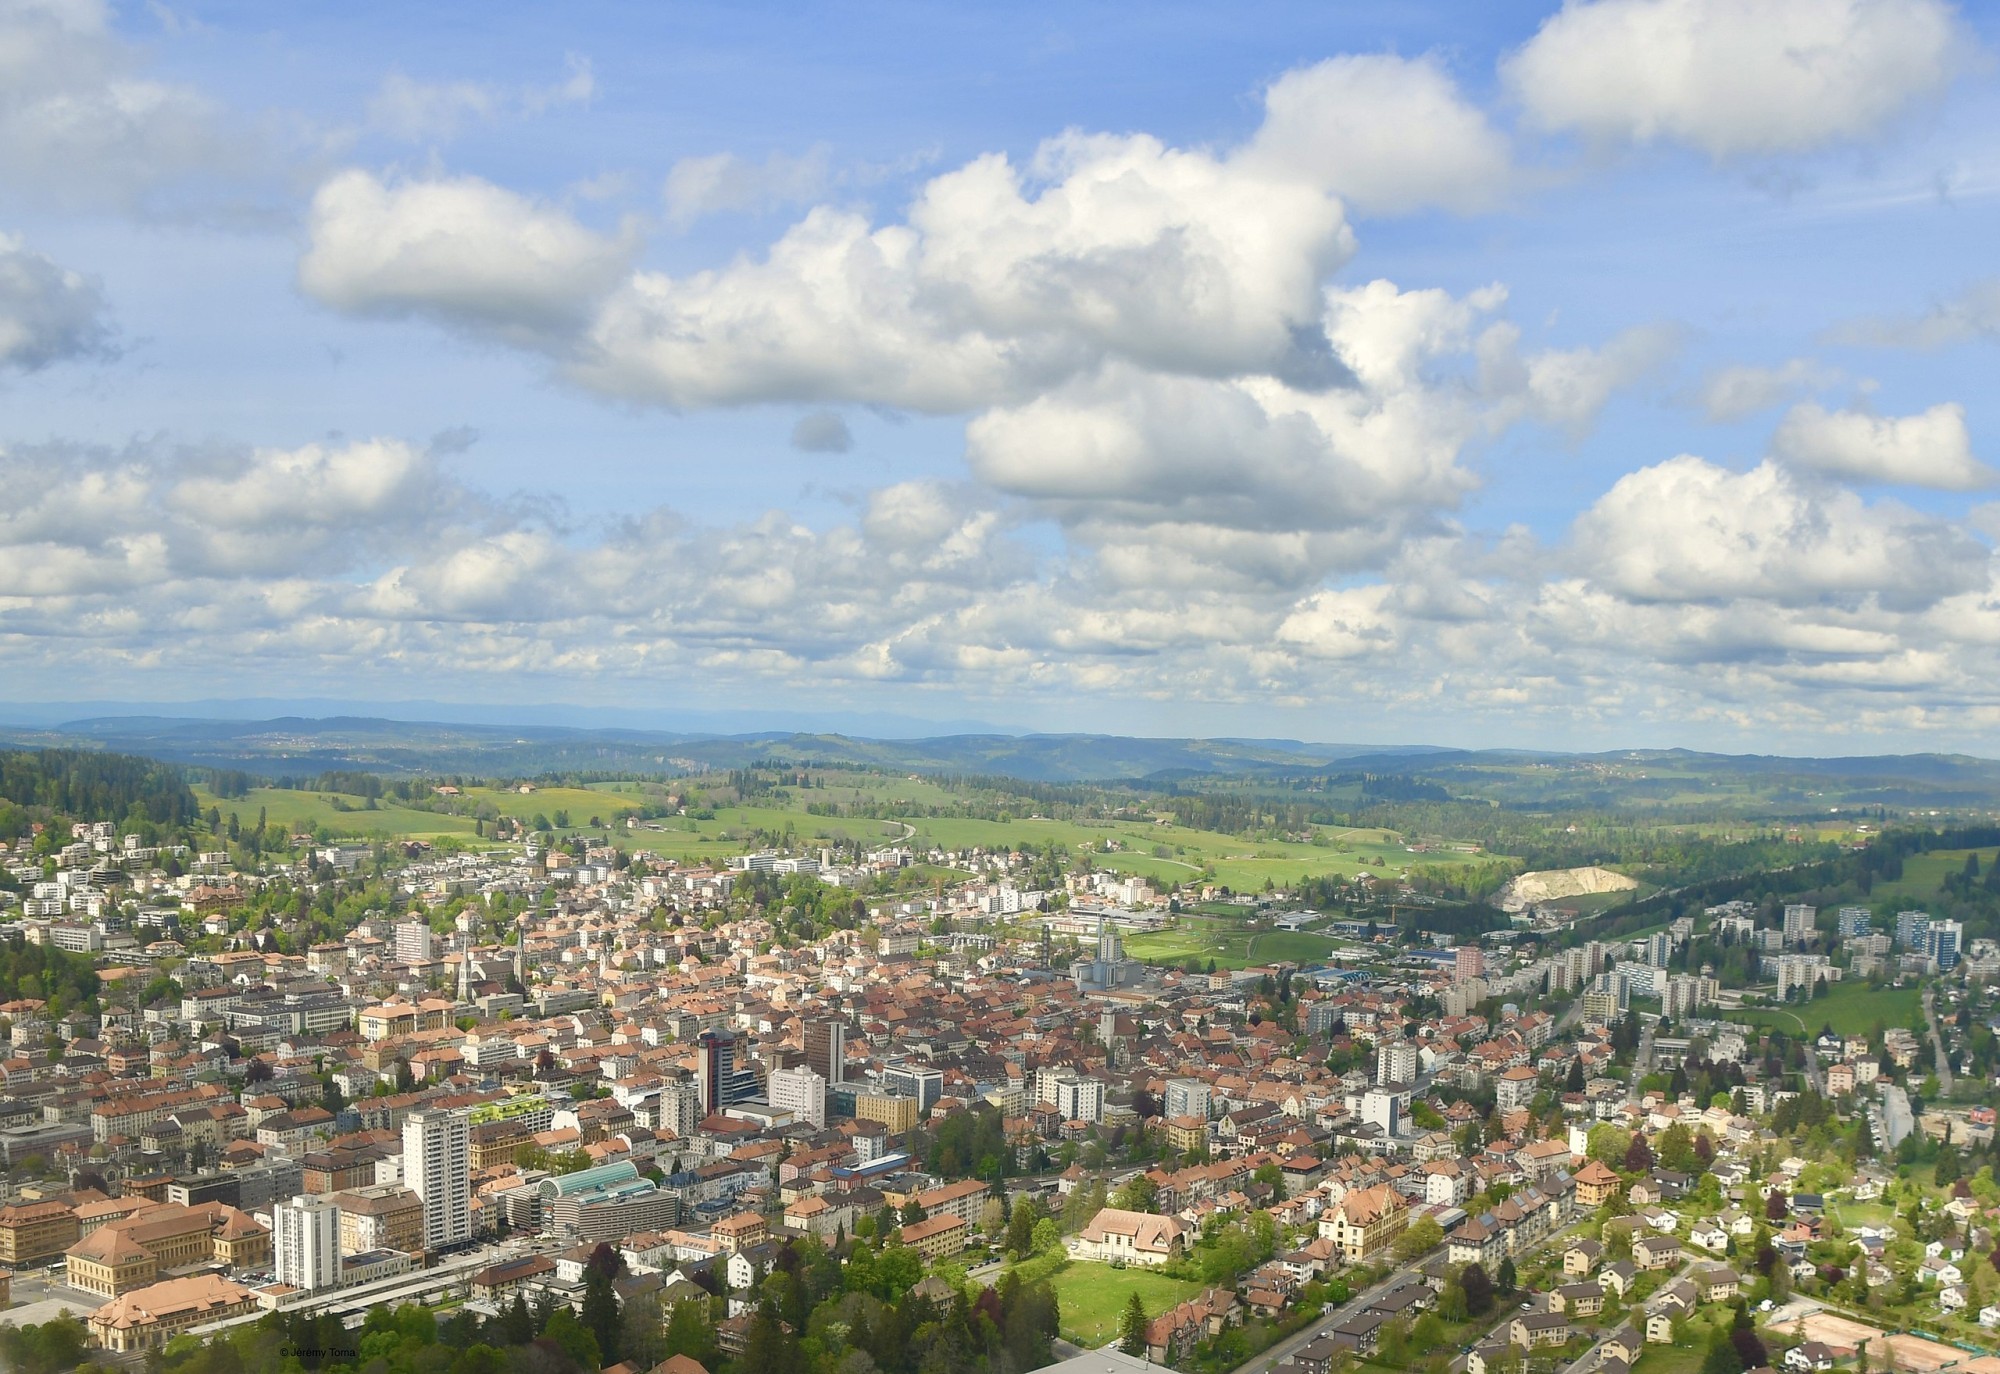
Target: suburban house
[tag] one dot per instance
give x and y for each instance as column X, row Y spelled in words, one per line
column 1133, row 1237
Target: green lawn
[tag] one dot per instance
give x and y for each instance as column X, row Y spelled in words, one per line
column 1092, row 1298
column 291, row 810
column 1671, row 1359
column 1294, row 945
column 1850, row 1008
column 1852, row 1214
column 1924, row 874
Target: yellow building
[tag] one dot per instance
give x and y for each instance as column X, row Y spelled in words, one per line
column 384, row 1216
column 936, row 1238
column 133, row 1251
column 149, row 1317
column 1367, row 1220
column 893, row 1110
column 1596, row 1184
column 1186, row 1134
column 739, row 1232
column 32, row 1231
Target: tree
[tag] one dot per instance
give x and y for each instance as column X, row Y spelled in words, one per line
column 1677, row 1149
column 1132, row 1327
column 1504, row 1278
column 1722, row 1357
column 1424, row 1235
column 517, row 1324
column 690, row 1333
column 1638, row 1155
column 1608, row 1145
column 1478, row 1290
column 1776, row 1204
column 1021, row 1228
column 770, row 1348
column 600, row 1302
column 993, row 1218
column 574, row 1338
column 1137, row 1195
column 1393, row 1342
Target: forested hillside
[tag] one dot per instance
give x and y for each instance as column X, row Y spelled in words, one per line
column 87, row 786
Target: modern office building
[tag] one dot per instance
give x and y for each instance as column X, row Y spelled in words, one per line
column 924, row 1084
column 722, row 1081
column 1944, row 941
column 1799, row 923
column 826, row 1048
column 437, row 1167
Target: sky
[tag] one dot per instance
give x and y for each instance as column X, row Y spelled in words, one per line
column 1608, row 374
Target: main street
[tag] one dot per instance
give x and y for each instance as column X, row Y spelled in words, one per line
column 1937, row 1043
column 1354, row 1306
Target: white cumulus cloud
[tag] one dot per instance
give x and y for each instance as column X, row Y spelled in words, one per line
column 1387, row 134
column 1930, row 449
column 459, row 248
column 1002, row 280
column 1687, row 530
column 1734, row 78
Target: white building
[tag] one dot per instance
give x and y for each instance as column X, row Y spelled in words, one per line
column 1396, row 1062
column 305, row 1242
column 1801, row 972
column 800, row 1092
column 1078, row 1098
column 1186, row 1097
column 1799, row 921
column 1686, row 993
column 437, row 1167
column 413, row 942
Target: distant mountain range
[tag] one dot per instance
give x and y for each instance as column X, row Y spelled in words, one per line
column 1661, row 779
column 296, row 746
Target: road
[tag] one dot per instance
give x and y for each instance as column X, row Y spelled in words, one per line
column 1283, row 1350
column 1277, row 1354
column 36, row 1282
column 1642, row 1062
column 1937, row 1043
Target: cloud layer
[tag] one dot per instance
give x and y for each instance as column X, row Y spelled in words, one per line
column 1210, row 452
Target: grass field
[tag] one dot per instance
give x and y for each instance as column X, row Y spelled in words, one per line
column 291, row 810
column 1852, row 1214
column 1850, row 1008
column 1092, row 1298
column 1923, row 874
column 1165, row 852
column 1227, row 942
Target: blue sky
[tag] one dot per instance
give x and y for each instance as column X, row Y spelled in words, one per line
column 1573, row 376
